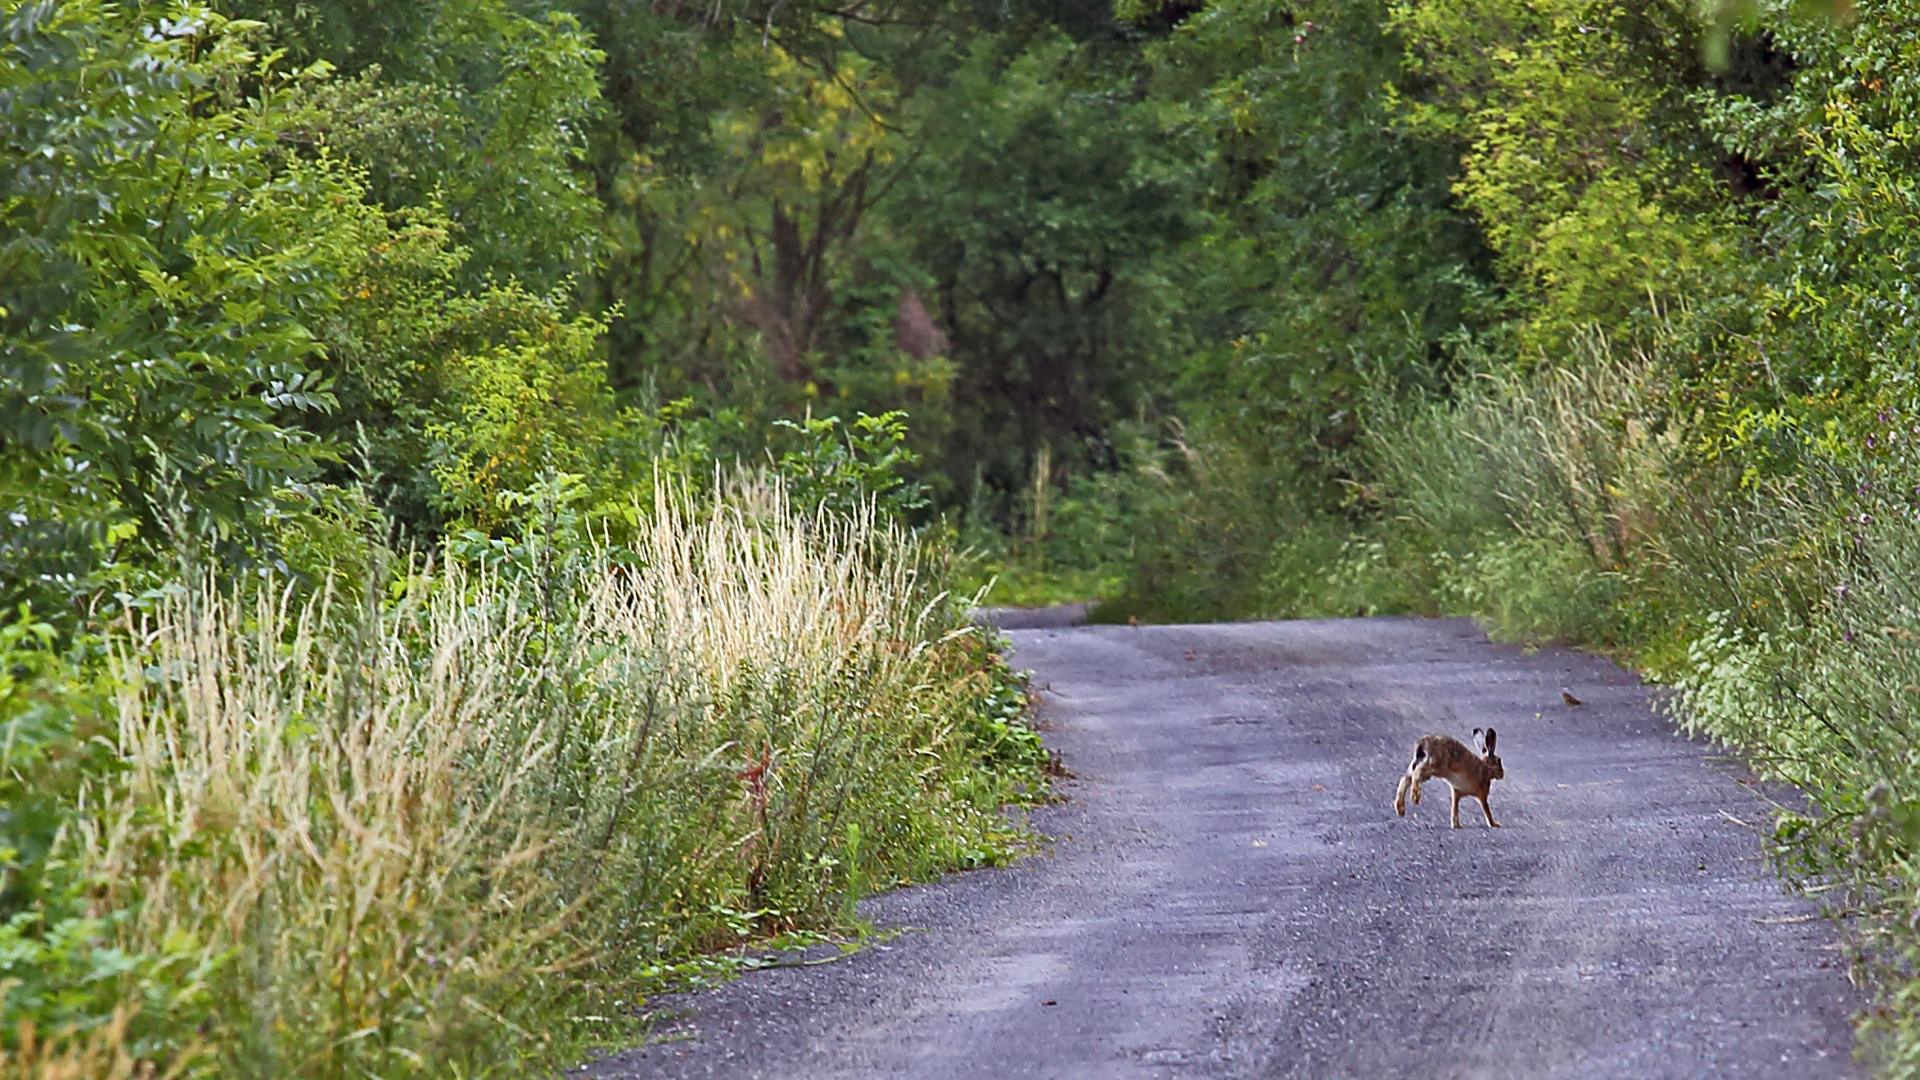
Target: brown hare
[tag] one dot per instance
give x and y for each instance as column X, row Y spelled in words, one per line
column 1443, row 756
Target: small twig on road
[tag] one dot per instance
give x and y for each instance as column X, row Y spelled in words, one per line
column 1782, row 920
column 763, row 965
column 1737, row 821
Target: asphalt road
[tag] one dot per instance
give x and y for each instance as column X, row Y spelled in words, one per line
column 1228, row 893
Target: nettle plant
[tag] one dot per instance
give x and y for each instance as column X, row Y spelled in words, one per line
column 837, row 465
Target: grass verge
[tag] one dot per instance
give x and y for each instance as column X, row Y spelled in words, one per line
column 439, row 817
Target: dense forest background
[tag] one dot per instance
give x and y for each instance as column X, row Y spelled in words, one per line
column 396, row 397
column 507, row 239
column 465, row 245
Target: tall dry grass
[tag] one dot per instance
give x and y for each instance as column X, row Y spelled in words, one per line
column 101, row 1053
column 400, row 832
column 1536, row 500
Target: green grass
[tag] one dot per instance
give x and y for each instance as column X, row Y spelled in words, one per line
column 1016, row 584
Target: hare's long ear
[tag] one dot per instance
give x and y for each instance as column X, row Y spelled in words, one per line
column 1479, row 741
column 1490, row 737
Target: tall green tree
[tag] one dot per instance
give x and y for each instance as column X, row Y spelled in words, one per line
column 478, row 109
column 1337, row 251
column 1052, row 198
column 163, row 263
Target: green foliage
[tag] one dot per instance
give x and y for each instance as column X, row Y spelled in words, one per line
column 1043, row 210
column 1071, row 546
column 1202, row 518
column 1331, row 255
column 57, row 967
column 1585, row 158
column 1837, row 327
column 844, row 467
column 165, row 264
column 1002, row 729
column 752, row 268
column 512, row 413
column 46, row 753
column 475, row 109
column 61, row 975
column 1336, row 254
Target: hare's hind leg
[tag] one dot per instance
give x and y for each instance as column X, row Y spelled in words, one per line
column 1409, row 785
column 1456, row 807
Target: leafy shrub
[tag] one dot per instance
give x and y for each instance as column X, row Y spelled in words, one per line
column 165, row 268
column 839, row 466
column 58, row 970
column 45, row 754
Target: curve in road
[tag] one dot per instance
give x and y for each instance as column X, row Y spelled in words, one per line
column 1227, row 891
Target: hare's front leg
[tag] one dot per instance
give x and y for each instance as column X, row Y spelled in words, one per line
column 1400, row 796
column 1488, row 810
column 1456, row 807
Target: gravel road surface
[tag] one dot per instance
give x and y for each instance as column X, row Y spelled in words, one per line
column 1227, row 892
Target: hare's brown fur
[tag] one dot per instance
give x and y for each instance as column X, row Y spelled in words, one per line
column 1466, row 772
